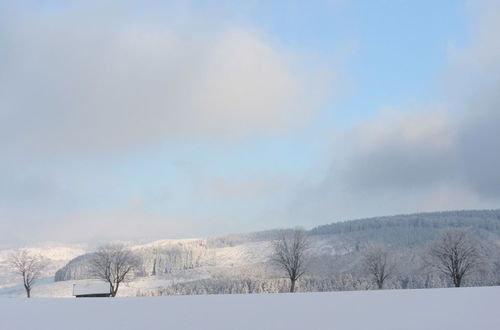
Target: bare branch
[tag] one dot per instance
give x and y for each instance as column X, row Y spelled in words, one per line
column 114, row 264
column 289, row 254
column 379, row 265
column 456, row 255
column 28, row 265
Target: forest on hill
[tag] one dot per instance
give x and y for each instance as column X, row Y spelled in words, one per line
column 240, row 263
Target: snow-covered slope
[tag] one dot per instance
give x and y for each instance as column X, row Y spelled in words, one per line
column 432, row 309
column 47, row 288
column 56, row 255
column 209, row 258
column 336, row 250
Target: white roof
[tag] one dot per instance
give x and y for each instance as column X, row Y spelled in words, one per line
column 91, row 288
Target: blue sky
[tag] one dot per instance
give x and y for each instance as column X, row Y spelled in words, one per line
column 157, row 119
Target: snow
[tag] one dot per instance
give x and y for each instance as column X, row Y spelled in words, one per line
column 88, row 287
column 431, row 309
column 47, row 288
column 56, row 255
column 165, row 243
column 243, row 254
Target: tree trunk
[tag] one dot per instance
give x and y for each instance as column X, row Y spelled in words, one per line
column 26, row 286
column 114, row 290
column 292, row 285
column 153, row 273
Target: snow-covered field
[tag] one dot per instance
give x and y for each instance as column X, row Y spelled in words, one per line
column 47, row 288
column 439, row 309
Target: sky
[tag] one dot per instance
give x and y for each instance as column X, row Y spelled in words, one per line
column 123, row 120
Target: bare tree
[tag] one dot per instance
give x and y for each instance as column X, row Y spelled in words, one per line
column 113, row 263
column 456, row 255
column 289, row 253
column 28, row 265
column 379, row 265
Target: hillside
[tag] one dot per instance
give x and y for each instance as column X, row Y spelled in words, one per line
column 411, row 229
column 239, row 263
column 438, row 309
column 56, row 255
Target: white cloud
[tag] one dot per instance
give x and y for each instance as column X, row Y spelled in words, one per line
column 256, row 186
column 84, row 84
column 404, row 128
column 434, row 157
column 117, row 81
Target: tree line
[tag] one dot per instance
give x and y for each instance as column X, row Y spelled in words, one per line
column 454, row 255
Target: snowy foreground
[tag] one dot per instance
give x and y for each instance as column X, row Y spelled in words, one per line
column 440, row 309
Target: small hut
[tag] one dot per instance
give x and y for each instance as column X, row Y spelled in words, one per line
column 91, row 289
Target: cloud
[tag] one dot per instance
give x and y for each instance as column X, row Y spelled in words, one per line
column 434, row 157
column 87, row 79
column 85, row 86
column 476, row 97
column 77, row 79
column 477, row 145
column 399, row 150
column 254, row 186
column 96, row 225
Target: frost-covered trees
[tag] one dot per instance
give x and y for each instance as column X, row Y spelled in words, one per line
column 28, row 265
column 379, row 265
column 166, row 258
column 338, row 250
column 157, row 259
column 113, row 263
column 289, row 254
column 455, row 254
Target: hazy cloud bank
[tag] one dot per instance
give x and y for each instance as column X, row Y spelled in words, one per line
column 94, row 78
column 435, row 157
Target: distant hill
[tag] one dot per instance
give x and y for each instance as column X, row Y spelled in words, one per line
column 481, row 219
column 240, row 262
column 413, row 229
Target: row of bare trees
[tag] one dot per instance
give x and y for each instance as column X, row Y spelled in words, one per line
column 112, row 263
column 455, row 254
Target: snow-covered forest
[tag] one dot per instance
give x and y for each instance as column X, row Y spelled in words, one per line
column 240, row 263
